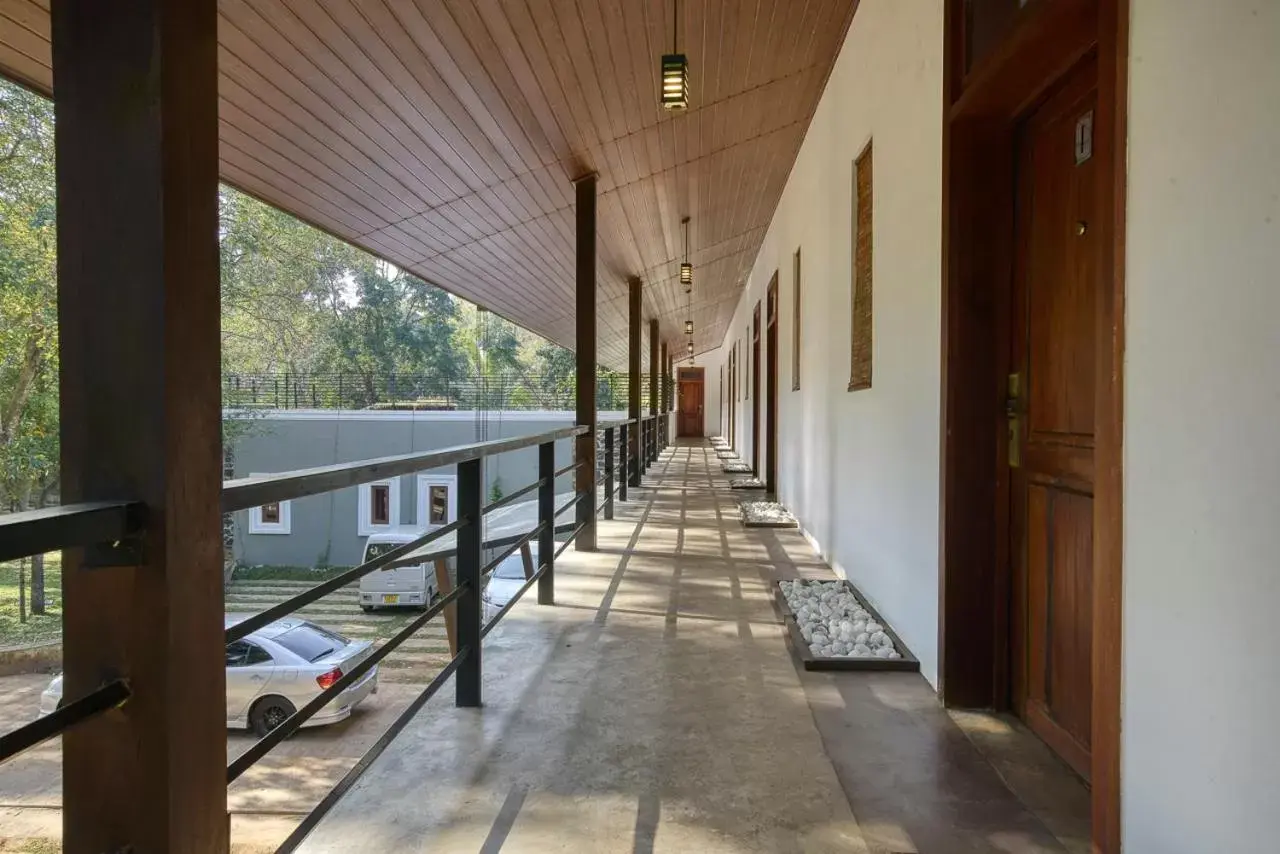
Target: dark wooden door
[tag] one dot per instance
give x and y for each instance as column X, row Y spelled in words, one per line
column 771, row 388
column 689, row 420
column 1050, row 411
column 755, row 390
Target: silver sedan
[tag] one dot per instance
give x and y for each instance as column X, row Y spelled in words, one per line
column 277, row 670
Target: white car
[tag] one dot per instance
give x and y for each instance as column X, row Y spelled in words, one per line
column 505, row 581
column 411, row 586
column 277, row 670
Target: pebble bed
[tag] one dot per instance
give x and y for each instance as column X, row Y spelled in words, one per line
column 834, row 623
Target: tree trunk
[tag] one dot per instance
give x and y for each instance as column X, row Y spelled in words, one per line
column 37, row 584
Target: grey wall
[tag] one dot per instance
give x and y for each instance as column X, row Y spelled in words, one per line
column 323, row 528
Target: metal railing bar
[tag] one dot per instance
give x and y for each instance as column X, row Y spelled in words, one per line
column 568, row 468
column 251, row 624
column 513, row 600
column 246, row 492
column 42, row 729
column 510, row 550
column 507, row 499
column 603, row 504
column 375, row 750
column 622, row 422
column 565, row 544
column 88, row 523
column 260, row 748
column 577, row 496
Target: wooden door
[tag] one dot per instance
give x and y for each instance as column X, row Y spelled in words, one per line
column 771, row 388
column 1050, row 412
column 689, row 420
column 733, row 391
column 755, row 390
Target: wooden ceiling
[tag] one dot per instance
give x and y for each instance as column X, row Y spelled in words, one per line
column 443, row 135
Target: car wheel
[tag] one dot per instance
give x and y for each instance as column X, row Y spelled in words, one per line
column 268, row 713
column 366, row 608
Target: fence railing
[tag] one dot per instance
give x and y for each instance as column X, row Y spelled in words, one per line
column 354, row 390
column 630, row 447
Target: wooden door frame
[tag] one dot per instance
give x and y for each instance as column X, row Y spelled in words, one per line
column 981, row 109
column 702, row 416
column 755, row 390
column 771, row 387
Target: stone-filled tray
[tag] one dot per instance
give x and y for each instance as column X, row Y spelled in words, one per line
column 746, row 483
column 736, row 468
column 766, row 514
column 726, row 454
column 800, row 647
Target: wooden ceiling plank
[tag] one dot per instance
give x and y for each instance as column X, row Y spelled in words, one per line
column 234, row 121
column 335, row 124
column 423, row 129
column 435, row 64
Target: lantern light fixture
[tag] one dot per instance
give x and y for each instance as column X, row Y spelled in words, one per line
column 688, row 327
column 686, row 269
column 675, row 69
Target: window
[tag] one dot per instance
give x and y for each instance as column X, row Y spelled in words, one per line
column 379, row 506
column 795, row 321
column 863, row 232
column 272, row 518
column 437, row 500
column 310, row 642
column 243, row 654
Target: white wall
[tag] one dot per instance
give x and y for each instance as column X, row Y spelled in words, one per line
column 860, row 469
column 712, row 362
column 1200, row 750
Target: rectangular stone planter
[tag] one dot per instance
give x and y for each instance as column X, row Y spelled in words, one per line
column 800, row 649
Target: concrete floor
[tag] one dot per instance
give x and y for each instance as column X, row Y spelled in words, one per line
column 656, row 708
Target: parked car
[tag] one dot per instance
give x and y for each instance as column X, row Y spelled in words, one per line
column 505, row 581
column 275, row 671
column 401, row 586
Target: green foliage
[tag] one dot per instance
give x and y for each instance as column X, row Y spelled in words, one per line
column 495, row 490
column 15, row 584
column 287, row 573
column 28, row 301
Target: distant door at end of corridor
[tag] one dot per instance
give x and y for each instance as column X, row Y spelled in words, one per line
column 692, row 384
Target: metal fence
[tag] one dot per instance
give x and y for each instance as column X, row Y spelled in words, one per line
column 629, row 448
column 355, row 390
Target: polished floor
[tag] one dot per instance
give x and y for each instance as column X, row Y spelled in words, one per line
column 656, row 707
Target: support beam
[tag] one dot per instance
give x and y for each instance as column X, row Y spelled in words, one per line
column 663, row 391
column 635, row 308
column 585, row 347
column 138, row 311
column 653, row 366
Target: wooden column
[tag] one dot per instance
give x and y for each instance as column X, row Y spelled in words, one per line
column 585, row 447
column 663, row 390
column 138, row 308
column 635, row 308
column 653, row 366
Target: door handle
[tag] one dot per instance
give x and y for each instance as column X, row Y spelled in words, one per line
column 1013, row 416
column 256, row 678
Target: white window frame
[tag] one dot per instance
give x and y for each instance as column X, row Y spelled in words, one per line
column 284, row 526
column 425, row 482
column 364, row 523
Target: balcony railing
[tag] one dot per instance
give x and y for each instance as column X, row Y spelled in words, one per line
column 119, row 525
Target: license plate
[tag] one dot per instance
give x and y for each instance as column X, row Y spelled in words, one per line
column 390, row 599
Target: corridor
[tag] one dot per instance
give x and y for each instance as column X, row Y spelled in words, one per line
column 656, row 707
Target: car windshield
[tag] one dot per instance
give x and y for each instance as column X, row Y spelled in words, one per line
column 310, row 642
column 512, row 567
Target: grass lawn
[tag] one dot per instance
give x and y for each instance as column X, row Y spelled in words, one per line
column 14, row 632
column 287, row 573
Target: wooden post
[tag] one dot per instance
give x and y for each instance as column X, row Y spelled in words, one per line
column 138, row 312
column 663, row 361
column 546, row 518
column 468, row 677
column 653, row 366
column 585, row 312
column 635, row 308
column 444, row 586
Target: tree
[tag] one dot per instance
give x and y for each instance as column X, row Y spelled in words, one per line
column 28, row 310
